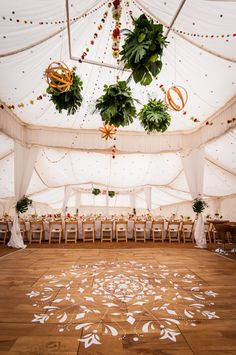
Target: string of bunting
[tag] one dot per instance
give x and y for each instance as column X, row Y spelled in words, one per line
column 95, row 35
column 53, row 22
column 190, row 34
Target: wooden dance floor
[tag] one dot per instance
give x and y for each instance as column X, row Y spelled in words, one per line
column 117, row 301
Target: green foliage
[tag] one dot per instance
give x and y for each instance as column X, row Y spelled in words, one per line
column 23, row 204
column 96, row 192
column 199, row 205
column 143, row 49
column 116, row 106
column 111, row 193
column 154, row 116
column 70, row 100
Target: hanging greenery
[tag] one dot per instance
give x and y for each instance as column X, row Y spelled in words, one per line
column 111, row 193
column 143, row 49
column 69, row 100
column 199, row 205
column 96, row 192
column 23, row 204
column 154, row 116
column 116, row 106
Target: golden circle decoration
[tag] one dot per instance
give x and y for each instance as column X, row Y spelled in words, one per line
column 59, row 77
column 182, row 98
column 108, row 131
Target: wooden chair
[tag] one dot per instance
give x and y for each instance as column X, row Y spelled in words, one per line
column 23, row 231
column 4, row 232
column 187, row 231
column 140, row 231
column 88, row 231
column 106, row 230
column 158, row 231
column 173, row 230
column 36, row 231
column 55, row 232
column 121, row 230
column 207, row 230
column 71, row 231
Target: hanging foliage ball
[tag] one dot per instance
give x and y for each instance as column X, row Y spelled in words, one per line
column 154, row 116
column 199, row 205
column 23, row 204
column 59, row 77
column 176, row 98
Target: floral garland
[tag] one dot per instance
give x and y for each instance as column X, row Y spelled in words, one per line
column 116, row 34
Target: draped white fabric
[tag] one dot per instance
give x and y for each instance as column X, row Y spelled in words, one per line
column 23, row 168
column 193, row 164
column 67, row 194
column 132, row 197
column 148, row 197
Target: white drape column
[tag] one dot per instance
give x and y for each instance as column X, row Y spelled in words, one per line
column 193, row 164
column 67, row 194
column 148, row 197
column 24, row 161
column 77, row 200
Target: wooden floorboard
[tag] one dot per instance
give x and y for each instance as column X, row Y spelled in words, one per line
column 174, row 300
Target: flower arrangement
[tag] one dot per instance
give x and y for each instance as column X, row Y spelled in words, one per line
column 116, row 106
column 154, row 116
column 142, row 50
column 111, row 193
column 23, row 204
column 69, row 100
column 199, row 205
column 96, row 192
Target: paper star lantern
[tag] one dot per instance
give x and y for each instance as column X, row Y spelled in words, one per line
column 108, row 131
column 176, row 98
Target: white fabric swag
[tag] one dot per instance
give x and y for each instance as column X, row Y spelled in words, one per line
column 148, row 197
column 24, row 162
column 193, row 164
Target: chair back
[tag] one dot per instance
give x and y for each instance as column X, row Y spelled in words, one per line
column 106, row 225
column 187, row 226
column 140, row 225
column 121, row 224
column 4, row 227
column 158, row 224
column 36, row 226
column 173, row 226
column 71, row 226
column 55, row 226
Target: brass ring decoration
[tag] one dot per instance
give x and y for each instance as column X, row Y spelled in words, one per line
column 182, row 98
column 59, row 77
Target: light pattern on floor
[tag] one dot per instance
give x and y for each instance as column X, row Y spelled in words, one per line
column 100, row 298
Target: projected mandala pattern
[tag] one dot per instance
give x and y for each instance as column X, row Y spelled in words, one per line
column 95, row 297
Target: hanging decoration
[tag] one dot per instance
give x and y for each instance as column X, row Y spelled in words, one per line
column 108, row 131
column 116, row 106
column 113, row 151
column 23, row 204
column 142, row 50
column 116, row 33
column 199, row 205
column 71, row 98
column 59, row 77
column 95, row 35
column 176, row 98
column 111, row 194
column 96, row 192
column 154, row 116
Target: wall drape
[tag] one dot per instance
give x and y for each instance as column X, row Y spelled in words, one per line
column 193, row 164
column 24, row 162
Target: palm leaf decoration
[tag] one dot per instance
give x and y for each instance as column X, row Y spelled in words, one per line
column 70, row 100
column 154, row 116
column 116, row 106
column 142, row 50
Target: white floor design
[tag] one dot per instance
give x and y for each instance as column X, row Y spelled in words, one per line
column 100, row 298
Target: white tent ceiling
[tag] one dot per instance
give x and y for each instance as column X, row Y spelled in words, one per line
column 200, row 57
